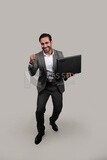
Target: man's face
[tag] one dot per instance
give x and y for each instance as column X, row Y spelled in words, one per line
column 46, row 44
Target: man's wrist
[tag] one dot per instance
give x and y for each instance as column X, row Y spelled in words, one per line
column 31, row 64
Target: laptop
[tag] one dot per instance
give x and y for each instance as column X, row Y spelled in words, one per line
column 70, row 64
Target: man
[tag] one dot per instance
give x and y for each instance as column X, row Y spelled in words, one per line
column 49, row 83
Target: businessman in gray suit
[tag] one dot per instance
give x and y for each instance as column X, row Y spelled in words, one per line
column 49, row 83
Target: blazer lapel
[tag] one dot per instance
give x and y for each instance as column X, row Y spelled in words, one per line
column 42, row 61
column 54, row 60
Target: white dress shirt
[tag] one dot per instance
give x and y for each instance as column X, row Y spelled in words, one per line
column 49, row 66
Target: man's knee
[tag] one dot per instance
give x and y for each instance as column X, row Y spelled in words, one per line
column 58, row 109
column 40, row 111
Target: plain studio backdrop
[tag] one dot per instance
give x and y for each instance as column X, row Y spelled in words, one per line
column 77, row 27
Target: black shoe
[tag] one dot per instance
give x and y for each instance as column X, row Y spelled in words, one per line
column 54, row 126
column 38, row 138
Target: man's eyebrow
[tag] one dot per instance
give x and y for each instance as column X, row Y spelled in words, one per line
column 45, row 43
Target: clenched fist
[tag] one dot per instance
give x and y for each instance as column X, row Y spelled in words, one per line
column 32, row 58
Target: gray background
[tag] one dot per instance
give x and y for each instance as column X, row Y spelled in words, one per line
column 77, row 27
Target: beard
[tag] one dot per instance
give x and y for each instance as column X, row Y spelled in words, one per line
column 46, row 49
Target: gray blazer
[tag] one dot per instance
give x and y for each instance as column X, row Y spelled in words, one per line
column 40, row 64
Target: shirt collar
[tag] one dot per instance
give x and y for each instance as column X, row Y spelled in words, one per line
column 47, row 55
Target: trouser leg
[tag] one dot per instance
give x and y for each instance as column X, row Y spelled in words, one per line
column 41, row 107
column 57, row 99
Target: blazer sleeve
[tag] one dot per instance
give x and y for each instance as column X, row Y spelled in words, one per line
column 32, row 68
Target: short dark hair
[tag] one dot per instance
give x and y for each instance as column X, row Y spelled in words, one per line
column 45, row 35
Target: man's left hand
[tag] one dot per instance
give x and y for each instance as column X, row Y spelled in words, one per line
column 68, row 75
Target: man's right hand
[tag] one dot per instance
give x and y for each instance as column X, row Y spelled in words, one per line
column 32, row 58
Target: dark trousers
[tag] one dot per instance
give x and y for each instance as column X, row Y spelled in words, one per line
column 57, row 99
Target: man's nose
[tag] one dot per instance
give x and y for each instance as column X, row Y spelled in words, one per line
column 45, row 45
